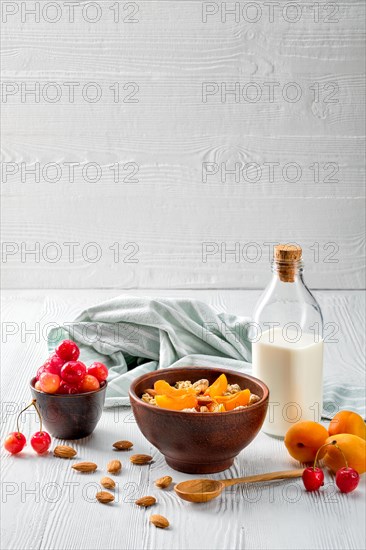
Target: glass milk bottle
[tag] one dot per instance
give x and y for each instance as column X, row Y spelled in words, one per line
column 287, row 344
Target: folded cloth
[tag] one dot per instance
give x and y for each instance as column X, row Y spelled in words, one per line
column 134, row 335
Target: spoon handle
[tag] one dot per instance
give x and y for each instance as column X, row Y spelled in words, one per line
column 287, row 474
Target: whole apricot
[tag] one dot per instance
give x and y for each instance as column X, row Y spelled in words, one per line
column 347, row 422
column 354, row 449
column 303, row 440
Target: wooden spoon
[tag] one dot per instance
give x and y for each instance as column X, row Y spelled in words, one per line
column 203, row 490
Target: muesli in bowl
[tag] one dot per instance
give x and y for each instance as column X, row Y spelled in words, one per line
column 195, row 442
column 200, row 396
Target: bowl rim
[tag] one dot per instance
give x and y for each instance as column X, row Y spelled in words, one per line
column 66, row 395
column 134, row 397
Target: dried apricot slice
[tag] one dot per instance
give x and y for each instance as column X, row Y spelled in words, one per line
column 179, row 403
column 239, row 399
column 224, row 398
column 219, row 387
column 164, row 388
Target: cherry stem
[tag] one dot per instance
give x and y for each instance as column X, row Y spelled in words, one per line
column 21, row 412
column 32, row 403
column 333, row 444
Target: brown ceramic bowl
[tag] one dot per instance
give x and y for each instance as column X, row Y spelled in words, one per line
column 199, row 443
column 70, row 416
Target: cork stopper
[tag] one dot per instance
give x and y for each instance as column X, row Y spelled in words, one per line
column 287, row 257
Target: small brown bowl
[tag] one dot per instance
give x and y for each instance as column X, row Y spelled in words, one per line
column 70, row 416
column 199, row 443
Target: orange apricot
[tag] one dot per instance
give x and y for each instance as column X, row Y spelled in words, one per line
column 219, row 387
column 354, row 448
column 348, row 422
column 303, row 440
column 179, row 403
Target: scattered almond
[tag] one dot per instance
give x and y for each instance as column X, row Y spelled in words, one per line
column 114, row 467
column 107, row 483
column 159, row 521
column 85, row 467
column 104, row 497
column 64, row 451
column 122, row 445
column 163, row 482
column 145, row 501
column 140, row 459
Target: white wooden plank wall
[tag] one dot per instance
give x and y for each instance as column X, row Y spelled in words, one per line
column 171, row 216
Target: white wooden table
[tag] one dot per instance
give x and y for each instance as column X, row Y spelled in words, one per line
column 46, row 505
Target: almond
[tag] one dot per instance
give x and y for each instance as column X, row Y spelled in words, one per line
column 201, row 386
column 159, row 521
column 163, row 482
column 85, row 467
column 104, row 497
column 114, row 467
column 145, row 501
column 122, row 445
column 204, row 399
column 140, row 459
column 64, row 451
column 202, row 382
column 107, row 483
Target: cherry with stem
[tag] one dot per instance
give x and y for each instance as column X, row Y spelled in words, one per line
column 347, row 478
column 41, row 440
column 16, row 441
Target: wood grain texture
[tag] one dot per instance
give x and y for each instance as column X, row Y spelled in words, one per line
column 61, row 512
column 195, row 252
column 171, row 207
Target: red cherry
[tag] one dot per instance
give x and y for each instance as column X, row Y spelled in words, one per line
column 73, row 372
column 68, row 350
column 89, row 383
column 99, row 370
column 313, row 478
column 67, row 388
column 41, row 442
column 15, row 442
column 49, row 382
column 63, row 389
column 347, row 480
column 54, row 364
column 40, row 371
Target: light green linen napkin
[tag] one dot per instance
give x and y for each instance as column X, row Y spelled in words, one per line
column 134, row 335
